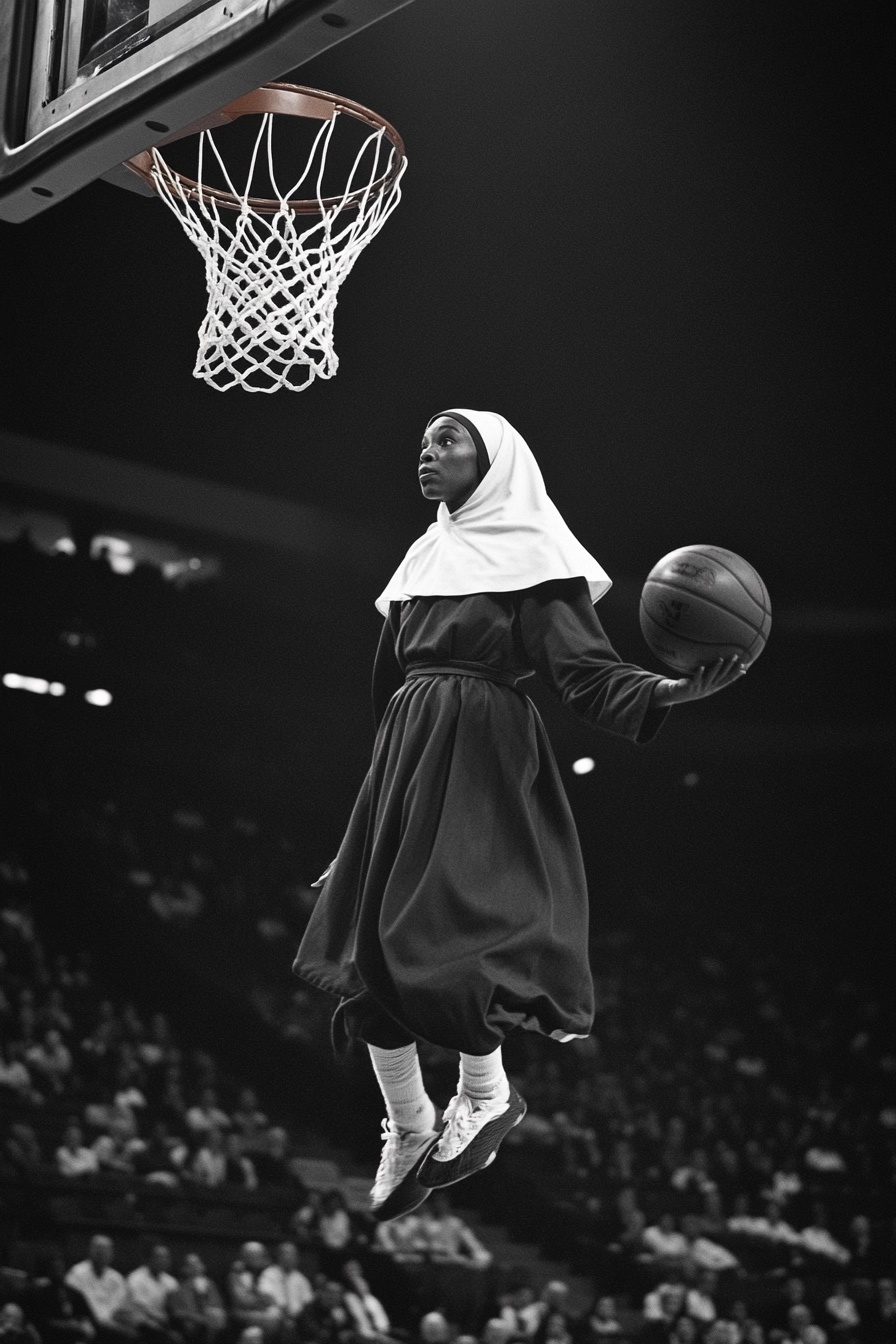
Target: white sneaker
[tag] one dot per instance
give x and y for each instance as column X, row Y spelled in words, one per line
column 469, row 1142
column 396, row 1189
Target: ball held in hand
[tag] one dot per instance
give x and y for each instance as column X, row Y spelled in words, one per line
column 700, row 603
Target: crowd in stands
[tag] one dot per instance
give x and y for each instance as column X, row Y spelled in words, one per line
column 718, row 1158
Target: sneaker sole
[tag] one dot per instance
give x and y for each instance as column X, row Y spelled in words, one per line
column 478, row 1154
column 408, row 1195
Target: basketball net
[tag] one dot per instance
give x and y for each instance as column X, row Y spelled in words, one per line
column 272, row 283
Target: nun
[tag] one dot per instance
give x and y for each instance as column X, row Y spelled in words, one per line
column 456, row 909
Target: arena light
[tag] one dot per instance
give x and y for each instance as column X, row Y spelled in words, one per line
column 98, row 697
column 583, row 766
column 14, row 681
column 117, row 551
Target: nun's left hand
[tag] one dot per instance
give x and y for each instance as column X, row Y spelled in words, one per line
column 703, row 681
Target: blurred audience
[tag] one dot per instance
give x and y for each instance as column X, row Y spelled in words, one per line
column 719, row 1156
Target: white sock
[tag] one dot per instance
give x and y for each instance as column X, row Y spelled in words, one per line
column 401, row 1083
column 482, row 1077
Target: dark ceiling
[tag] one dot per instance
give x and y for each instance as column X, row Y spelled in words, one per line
column 654, row 235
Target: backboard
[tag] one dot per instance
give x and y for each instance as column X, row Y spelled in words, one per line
column 85, row 84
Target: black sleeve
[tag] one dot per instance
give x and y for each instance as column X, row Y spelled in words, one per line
column 387, row 673
column 567, row 646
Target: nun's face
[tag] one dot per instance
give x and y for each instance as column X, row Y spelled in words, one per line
column 448, row 469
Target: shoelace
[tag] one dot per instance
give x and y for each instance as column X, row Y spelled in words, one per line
column 461, row 1115
column 391, row 1150
column 464, row 1118
column 392, row 1145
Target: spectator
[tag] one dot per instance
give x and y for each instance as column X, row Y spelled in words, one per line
column 701, row 1252
column 602, row 1322
column 163, row 1156
column 196, row 1306
column 496, row 1331
column 683, row 1330
column 711, row 1222
column 53, row 1013
column 14, row 1328
column 662, row 1307
column 117, row 1150
column 15, row 1077
column 178, row 901
column 271, row 1159
column 327, row 1319
column 792, row 1294
column 100, row 1111
column 101, row 1041
column 285, row 1284
column 207, row 1115
column 72, row 977
column 150, row 1286
column 448, row 1238
column 210, row 1161
column 172, row 1106
column 21, row 1155
column 73, row 1157
column 129, row 1092
column 738, row 1313
column 630, row 1223
column 880, row 1316
column 868, row 1257
column 693, row 1174
column 249, row 1121
column 335, row 1232
column 576, row 1141
column 402, row 1240
column 26, row 1018
column 104, row 1290
column 249, row 1305
column 51, row 1059
column 663, row 1242
column 434, row 1328
column 700, row 1302
column 843, row 1313
column 368, row 1315
column 239, row 1168
column 554, row 1329
column 818, row 1241
column 552, row 1301
column 303, row 1222
column 515, row 1310
column 799, row 1327
column 61, row 1313
column 720, row 1332
column 157, row 1048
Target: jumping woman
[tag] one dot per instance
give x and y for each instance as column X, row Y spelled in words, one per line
column 456, row 908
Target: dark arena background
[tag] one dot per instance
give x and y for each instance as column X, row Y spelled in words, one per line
column 657, row 238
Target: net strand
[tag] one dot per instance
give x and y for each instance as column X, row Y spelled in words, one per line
column 272, row 284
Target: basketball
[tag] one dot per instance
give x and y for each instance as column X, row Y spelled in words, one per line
column 700, row 603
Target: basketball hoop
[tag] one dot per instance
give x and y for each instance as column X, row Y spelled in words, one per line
column 272, row 283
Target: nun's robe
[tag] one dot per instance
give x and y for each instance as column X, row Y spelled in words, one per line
column 457, row 902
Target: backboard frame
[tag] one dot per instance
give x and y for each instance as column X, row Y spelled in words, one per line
column 54, row 141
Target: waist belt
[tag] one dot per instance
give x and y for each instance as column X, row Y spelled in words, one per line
column 461, row 669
